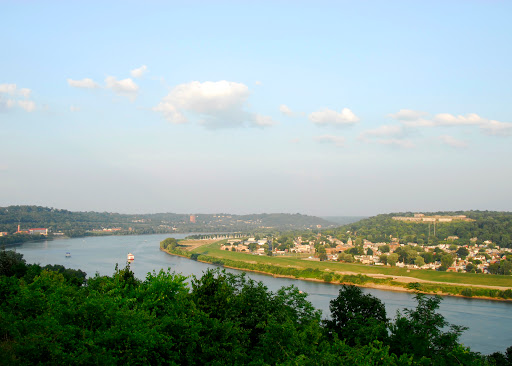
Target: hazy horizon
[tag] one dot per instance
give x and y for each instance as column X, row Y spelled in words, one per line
column 319, row 108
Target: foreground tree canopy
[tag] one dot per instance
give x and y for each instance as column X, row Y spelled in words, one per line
column 51, row 315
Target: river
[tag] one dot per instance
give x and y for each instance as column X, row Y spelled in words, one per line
column 489, row 322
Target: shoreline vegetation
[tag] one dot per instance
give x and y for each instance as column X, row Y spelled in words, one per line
column 390, row 279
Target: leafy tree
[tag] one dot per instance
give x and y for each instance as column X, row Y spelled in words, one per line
column 392, row 259
column 384, row 248
column 428, row 257
column 446, row 262
column 462, row 252
column 419, row 261
column 346, row 257
column 12, row 264
column 357, row 318
column 421, row 332
column 470, row 267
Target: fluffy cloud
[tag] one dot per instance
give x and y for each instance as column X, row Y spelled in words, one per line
column 125, row 87
column 137, row 73
column 385, row 130
column 408, row 115
column 446, row 119
column 330, row 117
column 490, row 127
column 12, row 89
column 8, row 89
column 15, row 93
column 263, row 121
column 25, row 92
column 497, row 128
column 339, row 141
column 214, row 104
column 170, row 112
column 84, row 83
column 452, row 141
column 285, row 110
column 6, row 104
column 27, row 105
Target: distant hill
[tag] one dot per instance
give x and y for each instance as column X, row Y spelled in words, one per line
column 78, row 223
column 495, row 226
column 343, row 220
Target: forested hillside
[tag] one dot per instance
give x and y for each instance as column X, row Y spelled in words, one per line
column 49, row 317
column 487, row 225
column 78, row 223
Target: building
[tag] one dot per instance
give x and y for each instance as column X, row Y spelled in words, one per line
column 193, row 219
column 38, row 231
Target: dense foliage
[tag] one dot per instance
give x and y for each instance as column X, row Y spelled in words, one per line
column 488, row 225
column 50, row 316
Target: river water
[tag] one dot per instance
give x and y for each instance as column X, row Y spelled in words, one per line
column 489, row 322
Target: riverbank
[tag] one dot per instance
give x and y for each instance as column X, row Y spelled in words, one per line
column 319, row 272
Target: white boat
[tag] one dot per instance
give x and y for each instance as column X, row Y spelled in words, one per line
column 68, row 254
column 131, row 257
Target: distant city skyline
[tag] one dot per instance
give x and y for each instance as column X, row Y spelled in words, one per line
column 319, row 108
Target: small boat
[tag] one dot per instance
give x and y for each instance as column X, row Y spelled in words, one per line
column 68, row 254
column 131, row 257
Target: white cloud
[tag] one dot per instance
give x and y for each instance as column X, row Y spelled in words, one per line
column 446, row 119
column 408, row 115
column 84, row 83
column 396, row 142
column 385, row 130
column 25, row 92
column 74, row 108
column 12, row 89
column 452, row 141
column 263, row 121
column 5, row 104
column 8, row 89
column 330, row 117
column 215, row 104
column 27, row 105
column 339, row 141
column 170, row 112
column 258, row 82
column 285, row 110
column 497, row 128
column 137, row 73
column 125, row 87
column 411, row 118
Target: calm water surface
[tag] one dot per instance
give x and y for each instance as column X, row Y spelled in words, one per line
column 489, row 322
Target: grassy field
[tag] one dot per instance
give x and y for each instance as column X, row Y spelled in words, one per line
column 427, row 275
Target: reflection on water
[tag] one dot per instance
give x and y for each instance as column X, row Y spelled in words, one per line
column 488, row 321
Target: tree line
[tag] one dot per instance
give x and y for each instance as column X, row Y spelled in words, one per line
column 487, row 225
column 52, row 316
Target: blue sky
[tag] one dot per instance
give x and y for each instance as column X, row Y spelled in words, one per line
column 323, row 108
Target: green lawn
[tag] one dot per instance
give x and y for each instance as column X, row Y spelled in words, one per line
column 466, row 278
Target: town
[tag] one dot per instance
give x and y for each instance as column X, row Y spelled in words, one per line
column 485, row 257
